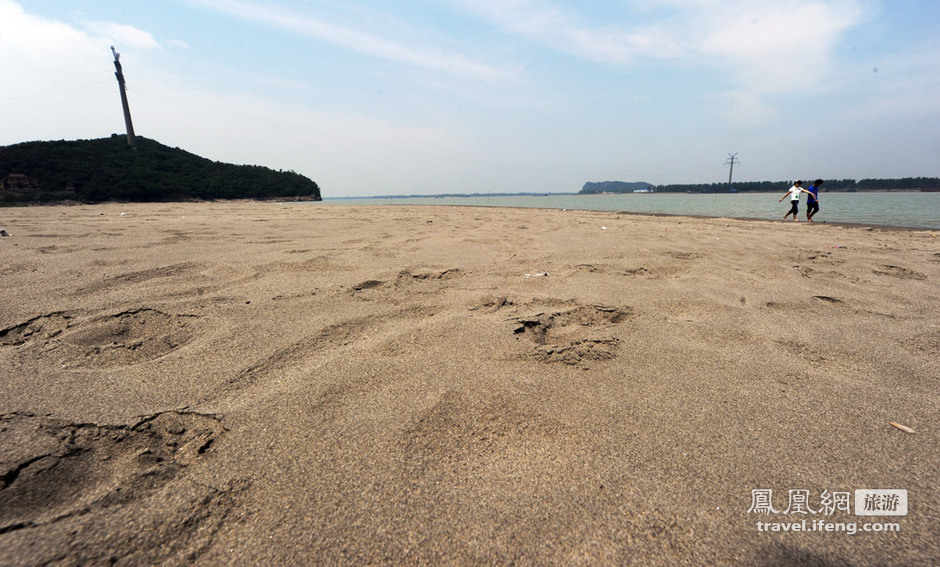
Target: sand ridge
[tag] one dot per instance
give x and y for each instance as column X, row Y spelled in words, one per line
column 263, row 383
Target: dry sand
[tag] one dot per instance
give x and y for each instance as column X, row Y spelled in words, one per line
column 259, row 383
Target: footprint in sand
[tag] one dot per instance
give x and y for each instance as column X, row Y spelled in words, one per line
column 406, row 281
column 174, row 271
column 122, row 339
column 99, row 493
column 899, row 272
column 572, row 336
column 461, row 434
column 39, row 329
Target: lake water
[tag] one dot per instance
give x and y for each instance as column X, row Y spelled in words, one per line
column 905, row 209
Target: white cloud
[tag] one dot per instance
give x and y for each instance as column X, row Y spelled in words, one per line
column 64, row 76
column 566, row 30
column 761, row 47
column 355, row 40
column 776, row 47
column 773, row 48
column 748, row 108
column 900, row 86
column 61, row 74
column 123, row 35
column 26, row 40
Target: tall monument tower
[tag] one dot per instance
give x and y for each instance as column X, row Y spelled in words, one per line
column 131, row 137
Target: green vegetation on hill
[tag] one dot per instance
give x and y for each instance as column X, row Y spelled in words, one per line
column 107, row 169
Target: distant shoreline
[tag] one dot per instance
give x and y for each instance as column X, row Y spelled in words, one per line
column 884, row 227
column 901, row 209
column 550, row 194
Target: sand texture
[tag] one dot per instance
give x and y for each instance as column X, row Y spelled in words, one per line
column 276, row 384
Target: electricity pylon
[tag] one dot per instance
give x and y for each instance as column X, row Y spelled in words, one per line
column 131, row 138
column 731, row 161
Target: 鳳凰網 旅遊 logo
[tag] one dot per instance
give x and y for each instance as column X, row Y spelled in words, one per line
column 819, row 511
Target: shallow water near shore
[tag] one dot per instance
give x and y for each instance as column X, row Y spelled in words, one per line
column 905, row 209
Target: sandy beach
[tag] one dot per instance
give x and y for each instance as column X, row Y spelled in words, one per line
column 271, row 384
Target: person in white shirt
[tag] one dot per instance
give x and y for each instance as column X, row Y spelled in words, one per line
column 794, row 194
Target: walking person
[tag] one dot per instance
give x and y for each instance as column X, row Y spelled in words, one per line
column 794, row 194
column 812, row 202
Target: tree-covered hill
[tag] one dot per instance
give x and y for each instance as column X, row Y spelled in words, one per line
column 107, row 169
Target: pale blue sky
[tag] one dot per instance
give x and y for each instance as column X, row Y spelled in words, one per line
column 445, row 96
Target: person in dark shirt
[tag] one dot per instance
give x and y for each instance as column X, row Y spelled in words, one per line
column 812, row 202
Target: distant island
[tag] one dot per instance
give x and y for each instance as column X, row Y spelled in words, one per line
column 108, row 169
column 615, row 187
column 847, row 185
